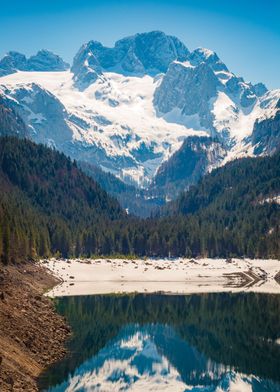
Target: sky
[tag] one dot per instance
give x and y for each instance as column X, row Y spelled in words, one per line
column 245, row 34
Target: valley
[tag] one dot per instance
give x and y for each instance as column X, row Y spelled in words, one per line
column 139, row 205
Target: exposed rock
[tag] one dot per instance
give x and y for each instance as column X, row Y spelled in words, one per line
column 202, row 55
column 147, row 53
column 242, row 91
column 11, row 62
column 260, row 89
column 32, row 334
column 45, row 60
column 189, row 89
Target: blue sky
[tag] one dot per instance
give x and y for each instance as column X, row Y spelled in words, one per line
column 245, row 34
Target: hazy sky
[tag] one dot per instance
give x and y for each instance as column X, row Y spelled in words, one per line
column 245, row 34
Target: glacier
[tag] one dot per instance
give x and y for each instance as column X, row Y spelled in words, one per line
column 130, row 108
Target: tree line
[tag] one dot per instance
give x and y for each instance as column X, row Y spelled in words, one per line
column 48, row 206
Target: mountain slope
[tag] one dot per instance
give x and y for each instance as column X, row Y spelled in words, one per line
column 141, row 54
column 233, row 210
column 136, row 201
column 48, row 206
column 129, row 109
column 47, row 203
column 266, row 133
column 134, row 110
column 241, row 183
column 196, row 157
column 10, row 123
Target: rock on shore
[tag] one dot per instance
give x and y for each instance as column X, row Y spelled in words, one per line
column 32, row 334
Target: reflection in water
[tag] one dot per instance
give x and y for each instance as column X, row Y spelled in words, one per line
column 208, row 342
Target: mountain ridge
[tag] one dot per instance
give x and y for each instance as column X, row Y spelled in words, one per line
column 131, row 122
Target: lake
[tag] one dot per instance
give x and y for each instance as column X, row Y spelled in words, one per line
column 156, row 342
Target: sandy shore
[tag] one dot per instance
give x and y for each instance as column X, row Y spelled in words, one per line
column 184, row 276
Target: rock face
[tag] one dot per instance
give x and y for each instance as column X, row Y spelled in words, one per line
column 45, row 60
column 201, row 55
column 147, row 53
column 188, row 89
column 12, row 62
column 192, row 88
column 42, row 61
column 142, row 108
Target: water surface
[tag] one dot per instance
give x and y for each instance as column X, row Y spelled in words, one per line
column 137, row 342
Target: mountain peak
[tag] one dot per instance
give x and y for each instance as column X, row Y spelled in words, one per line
column 209, row 57
column 142, row 53
column 44, row 60
column 205, row 53
column 11, row 62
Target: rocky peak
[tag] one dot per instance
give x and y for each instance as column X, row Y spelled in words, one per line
column 202, row 55
column 189, row 89
column 146, row 53
column 12, row 62
column 42, row 61
column 154, row 50
column 45, row 60
column 260, row 89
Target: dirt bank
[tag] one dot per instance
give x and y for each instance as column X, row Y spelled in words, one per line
column 32, row 334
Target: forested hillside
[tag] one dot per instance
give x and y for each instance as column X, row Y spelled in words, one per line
column 236, row 208
column 48, row 206
column 243, row 183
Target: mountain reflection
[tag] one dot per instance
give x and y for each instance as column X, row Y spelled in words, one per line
column 208, row 342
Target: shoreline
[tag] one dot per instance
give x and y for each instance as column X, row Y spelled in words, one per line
column 176, row 276
column 32, row 333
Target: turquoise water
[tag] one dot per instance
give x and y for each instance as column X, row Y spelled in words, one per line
column 208, row 342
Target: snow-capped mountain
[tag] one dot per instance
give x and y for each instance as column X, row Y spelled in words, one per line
column 44, row 60
column 141, row 54
column 129, row 108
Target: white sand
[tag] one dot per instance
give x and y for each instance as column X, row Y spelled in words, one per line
column 82, row 277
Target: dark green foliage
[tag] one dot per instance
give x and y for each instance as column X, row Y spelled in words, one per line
column 48, row 206
column 227, row 210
